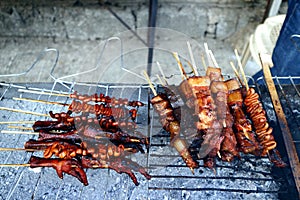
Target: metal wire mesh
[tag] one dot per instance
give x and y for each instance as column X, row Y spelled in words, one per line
column 247, row 178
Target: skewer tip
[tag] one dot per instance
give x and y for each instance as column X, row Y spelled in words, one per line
column 149, row 82
column 192, row 170
column 241, row 68
column 219, row 154
column 183, row 74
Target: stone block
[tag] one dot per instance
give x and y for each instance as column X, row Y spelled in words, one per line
column 68, row 22
column 95, row 23
column 186, row 19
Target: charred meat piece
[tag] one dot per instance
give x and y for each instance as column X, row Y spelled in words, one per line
column 260, row 123
column 163, row 107
column 120, row 165
column 245, row 136
column 68, row 166
column 106, row 99
column 214, row 74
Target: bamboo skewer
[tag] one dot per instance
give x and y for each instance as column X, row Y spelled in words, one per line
column 19, row 132
column 203, row 62
column 23, row 111
column 213, row 59
column 45, row 93
column 15, row 165
column 160, row 80
column 20, row 127
column 219, row 154
column 162, row 73
column 241, row 69
column 40, row 101
column 238, row 76
column 210, row 56
column 194, row 67
column 181, row 69
column 150, row 83
column 37, row 133
column 207, row 54
column 28, row 165
column 236, row 73
column 17, row 122
column 191, row 66
column 18, row 149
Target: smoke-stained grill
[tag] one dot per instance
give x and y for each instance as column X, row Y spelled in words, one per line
column 248, row 178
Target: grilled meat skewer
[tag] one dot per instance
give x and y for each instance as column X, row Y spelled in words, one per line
column 262, row 128
column 163, row 107
column 245, row 136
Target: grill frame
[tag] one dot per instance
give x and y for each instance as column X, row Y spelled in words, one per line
column 159, row 185
column 175, row 164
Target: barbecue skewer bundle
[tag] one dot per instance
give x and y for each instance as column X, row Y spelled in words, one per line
column 230, row 119
column 226, row 119
column 94, row 138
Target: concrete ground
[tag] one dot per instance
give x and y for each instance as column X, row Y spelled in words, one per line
column 80, row 36
column 84, row 60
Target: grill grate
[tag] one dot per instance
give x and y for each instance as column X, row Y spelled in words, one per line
column 248, row 178
column 14, row 181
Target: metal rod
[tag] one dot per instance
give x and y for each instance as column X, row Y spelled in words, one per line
column 151, row 33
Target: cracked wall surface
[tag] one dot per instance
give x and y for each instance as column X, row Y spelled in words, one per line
column 76, row 28
column 216, row 19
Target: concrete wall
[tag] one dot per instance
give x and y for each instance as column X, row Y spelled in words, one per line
column 76, row 28
column 89, row 20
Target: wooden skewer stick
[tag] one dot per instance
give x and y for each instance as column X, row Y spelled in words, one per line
column 23, row 111
column 192, row 59
column 17, row 122
column 224, row 123
column 36, row 133
column 236, row 73
column 160, row 80
column 28, row 165
column 241, row 68
column 181, row 69
column 213, row 59
column 15, row 165
column 207, row 54
column 19, row 132
column 219, row 154
column 203, row 62
column 191, row 66
column 18, row 149
column 45, row 93
column 150, row 83
column 40, row 101
column 20, row 127
column 162, row 73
